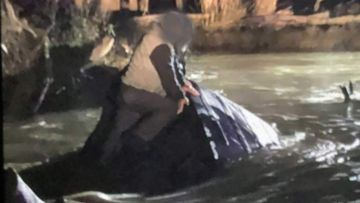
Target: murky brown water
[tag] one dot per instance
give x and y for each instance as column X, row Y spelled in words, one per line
column 320, row 161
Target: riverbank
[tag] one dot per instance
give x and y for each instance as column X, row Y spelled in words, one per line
column 292, row 38
column 283, row 33
column 273, row 33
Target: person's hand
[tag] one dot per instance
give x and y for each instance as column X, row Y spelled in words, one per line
column 181, row 103
column 188, row 88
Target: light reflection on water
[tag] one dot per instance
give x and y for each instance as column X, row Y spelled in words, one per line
column 296, row 92
column 47, row 135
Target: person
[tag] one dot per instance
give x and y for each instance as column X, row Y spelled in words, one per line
column 153, row 90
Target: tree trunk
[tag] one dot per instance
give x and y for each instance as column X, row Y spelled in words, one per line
column 109, row 5
column 228, row 10
column 180, row 4
column 133, row 5
column 264, row 7
column 144, row 6
column 231, row 10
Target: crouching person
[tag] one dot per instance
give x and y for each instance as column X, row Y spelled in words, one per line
column 154, row 89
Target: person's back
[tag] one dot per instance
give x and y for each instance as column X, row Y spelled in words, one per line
column 141, row 73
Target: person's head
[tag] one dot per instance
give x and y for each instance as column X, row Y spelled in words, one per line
column 177, row 28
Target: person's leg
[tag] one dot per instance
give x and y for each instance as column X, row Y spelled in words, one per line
column 98, row 137
column 158, row 112
column 162, row 113
column 154, row 110
column 125, row 118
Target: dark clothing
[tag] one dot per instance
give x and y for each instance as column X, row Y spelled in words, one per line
column 180, row 73
column 168, row 68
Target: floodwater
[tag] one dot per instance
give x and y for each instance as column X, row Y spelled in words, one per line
column 298, row 93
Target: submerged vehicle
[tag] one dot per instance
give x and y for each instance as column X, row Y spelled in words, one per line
column 211, row 134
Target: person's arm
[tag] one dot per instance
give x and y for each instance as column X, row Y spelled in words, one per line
column 180, row 73
column 163, row 60
column 185, row 84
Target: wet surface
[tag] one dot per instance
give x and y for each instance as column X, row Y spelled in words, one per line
column 298, row 93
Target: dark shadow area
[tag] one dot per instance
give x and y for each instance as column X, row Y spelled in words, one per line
column 159, row 6
column 180, row 156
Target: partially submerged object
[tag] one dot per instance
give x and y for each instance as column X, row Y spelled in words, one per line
column 211, row 133
column 17, row 190
column 231, row 130
column 347, row 92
